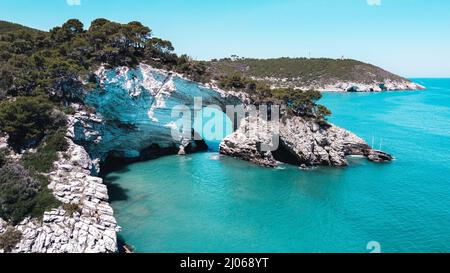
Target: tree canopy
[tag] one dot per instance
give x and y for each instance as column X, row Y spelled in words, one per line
column 44, row 70
column 26, row 120
column 17, row 192
column 302, row 103
column 55, row 63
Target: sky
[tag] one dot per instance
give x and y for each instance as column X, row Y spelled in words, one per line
column 407, row 37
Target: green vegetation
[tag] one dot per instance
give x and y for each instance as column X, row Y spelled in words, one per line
column 23, row 191
column 27, row 119
column 23, row 195
column 7, row 27
column 47, row 152
column 3, row 157
column 71, row 209
column 9, row 239
column 44, row 200
column 302, row 103
column 305, row 71
column 17, row 192
column 55, row 63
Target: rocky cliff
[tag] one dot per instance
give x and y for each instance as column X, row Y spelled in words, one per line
column 302, row 142
column 91, row 228
column 347, row 86
column 128, row 117
column 132, row 113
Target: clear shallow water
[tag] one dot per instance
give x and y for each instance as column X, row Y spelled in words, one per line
column 196, row 204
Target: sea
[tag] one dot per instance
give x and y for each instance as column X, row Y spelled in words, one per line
column 209, row 203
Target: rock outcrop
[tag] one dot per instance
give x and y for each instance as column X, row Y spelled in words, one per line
column 387, row 85
column 128, row 117
column 89, row 228
column 302, row 142
column 132, row 118
column 345, row 86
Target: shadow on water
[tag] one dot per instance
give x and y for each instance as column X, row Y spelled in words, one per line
column 122, row 245
column 115, row 191
column 118, row 164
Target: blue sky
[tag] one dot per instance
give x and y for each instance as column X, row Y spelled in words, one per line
column 407, row 37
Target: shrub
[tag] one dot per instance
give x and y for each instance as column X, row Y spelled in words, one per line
column 17, row 192
column 23, row 193
column 26, row 120
column 234, row 81
column 69, row 110
column 57, row 141
column 71, row 209
column 44, row 201
column 9, row 239
column 47, row 152
column 303, row 103
column 323, row 112
column 3, row 157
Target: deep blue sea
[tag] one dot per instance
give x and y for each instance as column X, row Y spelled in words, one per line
column 200, row 204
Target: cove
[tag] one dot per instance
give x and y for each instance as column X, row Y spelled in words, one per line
column 206, row 203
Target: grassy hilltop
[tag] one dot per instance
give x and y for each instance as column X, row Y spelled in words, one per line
column 304, row 71
column 7, row 27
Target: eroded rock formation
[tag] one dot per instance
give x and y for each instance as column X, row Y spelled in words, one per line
column 91, row 228
column 302, row 142
column 132, row 118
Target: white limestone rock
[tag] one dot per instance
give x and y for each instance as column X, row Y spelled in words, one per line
column 334, row 85
column 93, row 230
column 302, row 142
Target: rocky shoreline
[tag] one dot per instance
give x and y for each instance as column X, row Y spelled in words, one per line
column 342, row 86
column 74, row 179
column 302, row 142
column 388, row 85
column 140, row 129
column 91, row 228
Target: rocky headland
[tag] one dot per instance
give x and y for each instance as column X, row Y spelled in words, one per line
column 76, row 101
column 128, row 118
column 321, row 74
column 302, row 142
column 344, row 86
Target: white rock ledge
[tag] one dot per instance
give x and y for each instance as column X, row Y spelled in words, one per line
column 343, row 86
column 301, row 142
column 93, row 230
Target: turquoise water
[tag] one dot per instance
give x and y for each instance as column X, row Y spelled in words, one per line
column 198, row 204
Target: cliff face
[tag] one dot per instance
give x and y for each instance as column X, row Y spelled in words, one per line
column 349, row 86
column 90, row 229
column 132, row 118
column 302, row 142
